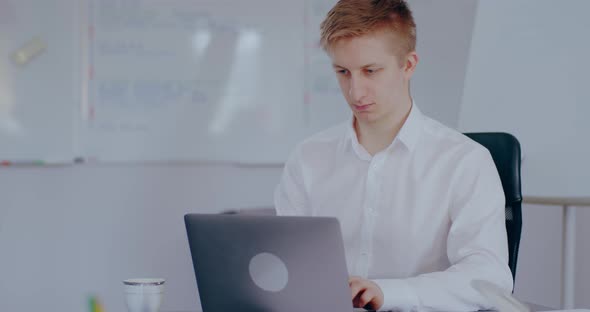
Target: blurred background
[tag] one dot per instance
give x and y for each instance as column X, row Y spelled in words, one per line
column 117, row 117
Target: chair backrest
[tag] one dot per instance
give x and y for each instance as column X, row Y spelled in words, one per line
column 505, row 150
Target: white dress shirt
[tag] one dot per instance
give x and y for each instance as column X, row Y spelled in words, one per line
column 422, row 218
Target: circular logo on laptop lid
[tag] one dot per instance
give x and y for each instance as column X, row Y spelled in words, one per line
column 268, row 272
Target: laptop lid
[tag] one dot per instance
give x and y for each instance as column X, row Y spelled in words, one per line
column 268, row 263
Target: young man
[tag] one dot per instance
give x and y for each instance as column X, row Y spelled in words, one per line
column 421, row 206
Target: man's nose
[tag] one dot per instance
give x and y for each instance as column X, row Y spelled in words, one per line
column 358, row 90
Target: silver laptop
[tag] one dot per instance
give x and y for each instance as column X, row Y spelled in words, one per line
column 268, row 263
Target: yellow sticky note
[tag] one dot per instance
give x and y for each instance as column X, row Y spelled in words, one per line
column 28, row 51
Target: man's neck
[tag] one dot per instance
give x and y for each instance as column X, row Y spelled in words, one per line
column 378, row 135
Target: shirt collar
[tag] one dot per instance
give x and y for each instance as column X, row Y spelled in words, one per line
column 408, row 135
column 410, row 131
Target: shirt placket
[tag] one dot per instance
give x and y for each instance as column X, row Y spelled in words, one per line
column 370, row 213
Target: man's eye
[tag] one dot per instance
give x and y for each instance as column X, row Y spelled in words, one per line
column 370, row 71
column 342, row 71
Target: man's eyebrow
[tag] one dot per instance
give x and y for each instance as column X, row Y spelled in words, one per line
column 364, row 66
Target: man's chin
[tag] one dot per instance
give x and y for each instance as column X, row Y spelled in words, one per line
column 365, row 117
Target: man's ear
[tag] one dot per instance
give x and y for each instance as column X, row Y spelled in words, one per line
column 410, row 63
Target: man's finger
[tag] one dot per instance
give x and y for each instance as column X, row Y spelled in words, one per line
column 366, row 297
column 355, row 288
column 356, row 301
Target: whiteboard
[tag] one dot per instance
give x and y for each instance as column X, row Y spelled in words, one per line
column 39, row 80
column 194, row 80
column 528, row 75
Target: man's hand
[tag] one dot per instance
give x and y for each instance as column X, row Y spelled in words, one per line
column 365, row 293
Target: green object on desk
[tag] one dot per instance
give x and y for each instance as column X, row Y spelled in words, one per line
column 94, row 304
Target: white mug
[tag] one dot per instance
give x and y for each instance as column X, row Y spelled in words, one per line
column 144, row 294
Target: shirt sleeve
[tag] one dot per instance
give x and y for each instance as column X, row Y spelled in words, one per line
column 290, row 197
column 477, row 246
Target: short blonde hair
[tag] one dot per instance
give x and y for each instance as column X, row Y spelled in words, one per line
column 353, row 18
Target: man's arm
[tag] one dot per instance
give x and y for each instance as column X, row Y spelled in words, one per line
column 477, row 246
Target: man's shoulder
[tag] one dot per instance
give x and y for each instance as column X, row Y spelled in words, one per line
column 446, row 139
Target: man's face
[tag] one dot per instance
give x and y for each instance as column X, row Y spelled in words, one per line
column 371, row 77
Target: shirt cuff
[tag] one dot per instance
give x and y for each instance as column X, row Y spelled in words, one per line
column 398, row 295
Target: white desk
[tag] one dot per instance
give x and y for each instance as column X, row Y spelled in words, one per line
column 568, row 254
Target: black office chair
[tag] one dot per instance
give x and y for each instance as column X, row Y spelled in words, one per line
column 505, row 151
